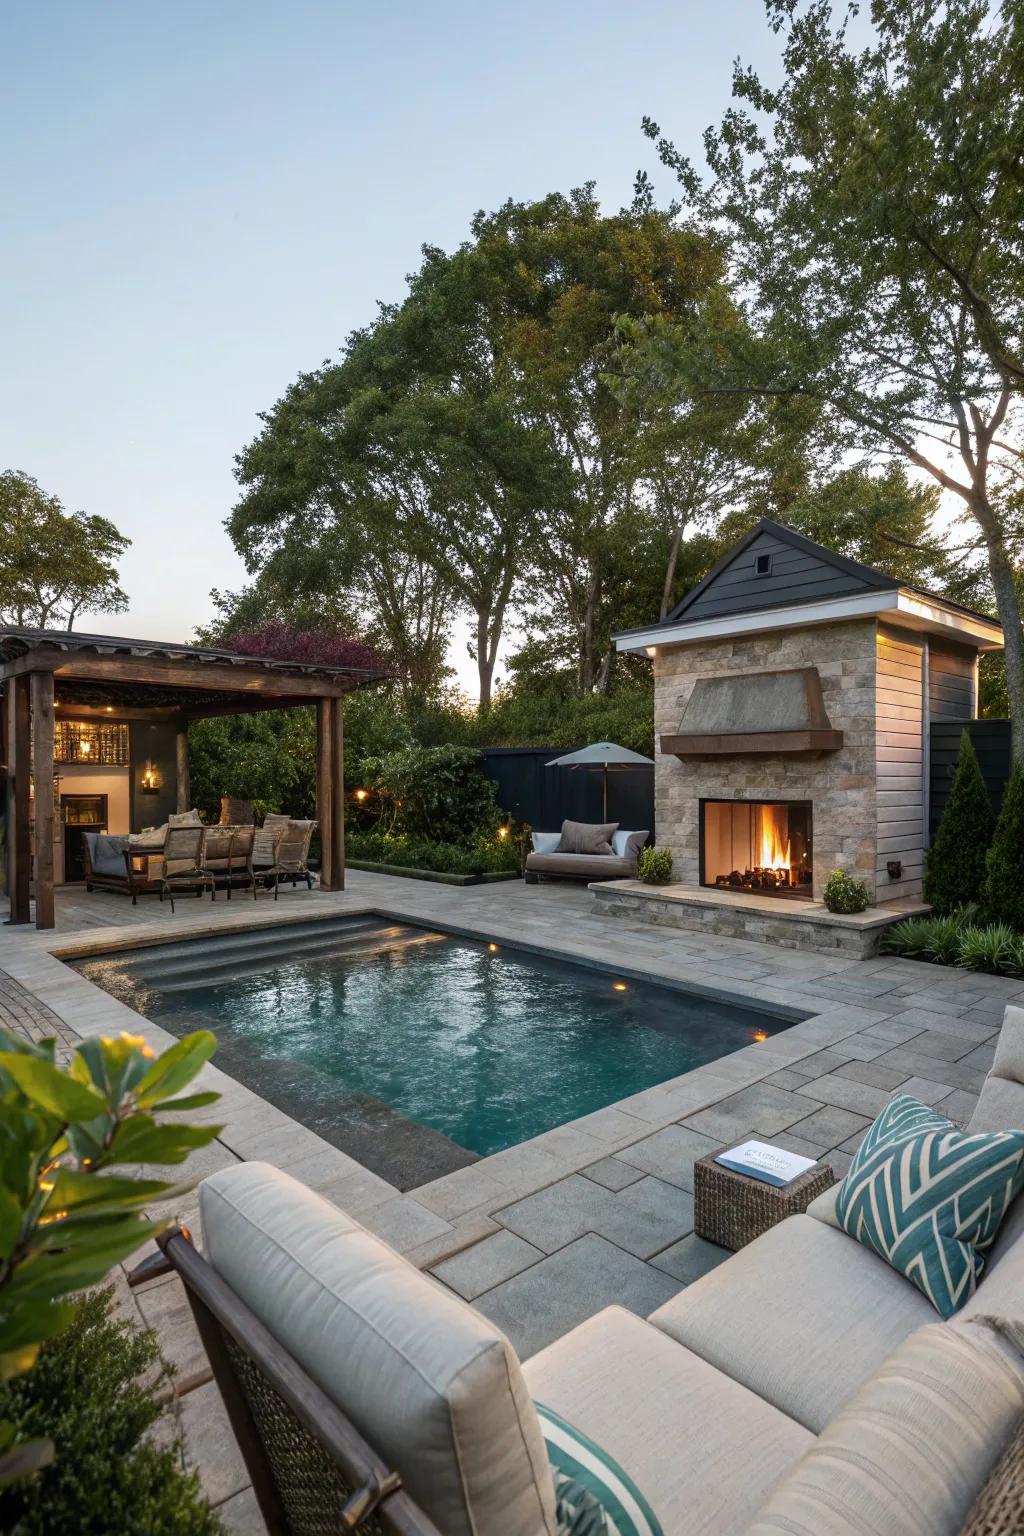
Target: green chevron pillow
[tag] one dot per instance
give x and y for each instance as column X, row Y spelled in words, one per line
column 593, row 1495
column 929, row 1198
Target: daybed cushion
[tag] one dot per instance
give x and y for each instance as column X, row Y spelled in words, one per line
column 801, row 1316
column 581, row 866
column 185, row 819
column 106, row 854
column 913, row 1449
column 627, row 845
column 434, row 1387
column 587, row 837
column 1001, row 1104
column 703, row 1450
column 545, row 842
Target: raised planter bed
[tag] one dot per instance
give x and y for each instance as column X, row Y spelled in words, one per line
column 441, row 877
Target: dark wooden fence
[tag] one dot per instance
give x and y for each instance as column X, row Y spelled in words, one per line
column 544, row 797
column 991, row 741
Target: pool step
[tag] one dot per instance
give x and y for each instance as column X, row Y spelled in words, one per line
column 208, row 962
column 213, row 975
column 168, row 957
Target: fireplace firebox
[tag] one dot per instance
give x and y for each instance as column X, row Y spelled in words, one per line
column 757, row 845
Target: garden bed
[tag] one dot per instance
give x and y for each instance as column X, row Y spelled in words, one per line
column 442, row 877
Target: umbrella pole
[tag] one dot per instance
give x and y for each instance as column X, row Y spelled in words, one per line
column 605, row 765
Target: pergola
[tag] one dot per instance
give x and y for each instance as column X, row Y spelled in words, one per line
column 105, row 678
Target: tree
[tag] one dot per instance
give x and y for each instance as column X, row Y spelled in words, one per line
column 955, row 863
column 873, row 208
column 1003, row 891
column 471, row 429
column 54, row 564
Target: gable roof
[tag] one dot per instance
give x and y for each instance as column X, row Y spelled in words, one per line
column 801, row 571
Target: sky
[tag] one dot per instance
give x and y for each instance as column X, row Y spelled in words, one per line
column 203, row 199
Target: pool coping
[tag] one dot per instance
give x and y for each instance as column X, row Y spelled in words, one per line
column 440, row 1219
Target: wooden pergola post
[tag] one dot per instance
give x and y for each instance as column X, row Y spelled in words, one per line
column 184, row 786
column 330, row 791
column 42, row 774
column 19, row 850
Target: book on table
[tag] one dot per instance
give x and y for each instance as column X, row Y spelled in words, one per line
column 772, row 1165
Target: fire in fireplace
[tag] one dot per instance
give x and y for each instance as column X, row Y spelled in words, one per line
column 757, row 845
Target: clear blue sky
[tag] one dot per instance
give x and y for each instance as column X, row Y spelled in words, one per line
column 203, row 198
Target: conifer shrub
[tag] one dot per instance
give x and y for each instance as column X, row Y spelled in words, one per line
column 955, row 863
column 1002, row 895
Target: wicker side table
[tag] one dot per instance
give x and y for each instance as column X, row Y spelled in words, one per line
column 731, row 1209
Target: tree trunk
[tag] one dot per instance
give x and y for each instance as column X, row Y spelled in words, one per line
column 670, row 569
column 485, row 658
column 1008, row 607
column 587, row 649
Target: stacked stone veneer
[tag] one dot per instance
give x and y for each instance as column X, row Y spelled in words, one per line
column 841, row 786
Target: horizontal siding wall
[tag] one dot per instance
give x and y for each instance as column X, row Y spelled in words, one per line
column 899, row 757
column 951, row 682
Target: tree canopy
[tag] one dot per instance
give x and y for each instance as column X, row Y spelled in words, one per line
column 873, row 210
column 467, row 453
column 54, row 564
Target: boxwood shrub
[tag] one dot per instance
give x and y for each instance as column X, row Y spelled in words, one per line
column 107, row 1476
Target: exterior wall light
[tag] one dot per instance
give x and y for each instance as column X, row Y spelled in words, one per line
column 150, row 781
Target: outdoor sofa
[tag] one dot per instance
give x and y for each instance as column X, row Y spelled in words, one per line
column 802, row 1388
column 549, row 855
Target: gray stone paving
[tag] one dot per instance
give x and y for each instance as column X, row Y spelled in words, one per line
column 543, row 1235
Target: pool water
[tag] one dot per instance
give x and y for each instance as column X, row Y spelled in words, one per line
column 485, row 1045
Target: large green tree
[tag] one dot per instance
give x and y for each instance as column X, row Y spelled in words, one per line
column 873, row 207
column 471, row 430
column 54, row 564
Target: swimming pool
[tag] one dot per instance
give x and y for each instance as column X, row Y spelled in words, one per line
column 419, row 1051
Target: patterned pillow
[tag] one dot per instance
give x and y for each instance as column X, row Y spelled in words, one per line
column 928, row 1198
column 593, row 1495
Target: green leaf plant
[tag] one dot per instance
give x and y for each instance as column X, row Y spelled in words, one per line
column 66, row 1217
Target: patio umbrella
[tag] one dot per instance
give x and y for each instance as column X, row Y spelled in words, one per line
column 605, row 755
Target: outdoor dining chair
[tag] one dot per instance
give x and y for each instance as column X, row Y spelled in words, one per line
column 184, row 862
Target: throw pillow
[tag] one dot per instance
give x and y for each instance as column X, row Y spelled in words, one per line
column 627, row 845
column 585, row 837
column 928, row 1198
column 593, row 1495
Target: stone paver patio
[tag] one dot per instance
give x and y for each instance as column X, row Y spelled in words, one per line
column 542, row 1235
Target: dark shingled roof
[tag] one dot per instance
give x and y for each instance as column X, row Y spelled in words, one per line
column 16, row 642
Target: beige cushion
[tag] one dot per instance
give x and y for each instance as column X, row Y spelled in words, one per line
column 910, row 1453
column 581, row 866
column 185, row 819
column 432, row 1385
column 585, row 837
column 1001, row 1287
column 823, row 1207
column 702, row 1449
column 801, row 1316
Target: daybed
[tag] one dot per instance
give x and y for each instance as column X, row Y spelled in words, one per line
column 550, row 856
column 803, row 1388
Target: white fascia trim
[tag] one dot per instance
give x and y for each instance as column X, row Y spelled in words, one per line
column 906, row 609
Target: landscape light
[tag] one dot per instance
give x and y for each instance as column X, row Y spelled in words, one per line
column 503, row 831
column 360, row 794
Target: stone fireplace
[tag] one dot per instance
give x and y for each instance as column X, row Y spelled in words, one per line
column 794, row 690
